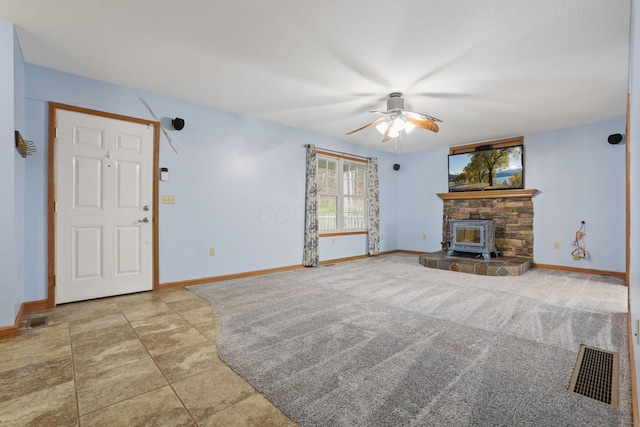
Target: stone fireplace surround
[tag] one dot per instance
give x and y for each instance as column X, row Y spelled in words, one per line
column 512, row 211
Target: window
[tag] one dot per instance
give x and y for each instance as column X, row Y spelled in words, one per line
column 342, row 189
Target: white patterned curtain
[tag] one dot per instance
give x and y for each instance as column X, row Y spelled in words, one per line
column 373, row 190
column 311, row 254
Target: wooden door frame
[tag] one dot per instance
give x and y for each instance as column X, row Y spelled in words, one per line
column 51, row 219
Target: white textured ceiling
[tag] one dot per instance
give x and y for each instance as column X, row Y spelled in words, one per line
column 489, row 69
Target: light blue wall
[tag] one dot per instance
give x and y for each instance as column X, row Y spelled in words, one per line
column 10, row 253
column 420, row 177
column 35, row 200
column 238, row 182
column 580, row 176
column 634, row 181
column 19, row 112
column 18, row 77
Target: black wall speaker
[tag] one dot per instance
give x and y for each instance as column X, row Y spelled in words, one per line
column 396, row 167
column 177, row 123
column 615, row 138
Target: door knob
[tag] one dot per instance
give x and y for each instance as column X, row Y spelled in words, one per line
column 145, row 219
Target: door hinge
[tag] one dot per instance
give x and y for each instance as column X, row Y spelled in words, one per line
column 54, row 281
column 55, row 206
column 56, row 133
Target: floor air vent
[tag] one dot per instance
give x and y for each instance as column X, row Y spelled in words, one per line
column 34, row 322
column 596, row 375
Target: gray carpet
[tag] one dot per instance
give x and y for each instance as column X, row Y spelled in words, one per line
column 387, row 342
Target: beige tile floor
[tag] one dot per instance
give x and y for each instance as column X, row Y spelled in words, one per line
column 146, row 359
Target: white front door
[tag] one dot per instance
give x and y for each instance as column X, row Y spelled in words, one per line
column 103, row 206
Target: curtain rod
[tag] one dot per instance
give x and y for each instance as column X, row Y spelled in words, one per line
column 340, row 152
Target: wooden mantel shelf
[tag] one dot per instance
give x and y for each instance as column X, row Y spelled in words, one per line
column 489, row 194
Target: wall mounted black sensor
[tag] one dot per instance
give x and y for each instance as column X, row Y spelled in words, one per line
column 615, row 138
column 177, row 123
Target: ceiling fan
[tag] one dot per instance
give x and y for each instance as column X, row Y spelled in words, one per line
column 396, row 119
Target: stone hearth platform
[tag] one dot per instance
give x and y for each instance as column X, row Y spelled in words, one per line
column 474, row 264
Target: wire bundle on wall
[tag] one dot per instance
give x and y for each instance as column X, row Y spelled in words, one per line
column 579, row 252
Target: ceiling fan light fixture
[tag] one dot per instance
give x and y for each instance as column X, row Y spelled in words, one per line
column 408, row 127
column 398, row 124
column 397, row 120
column 382, row 127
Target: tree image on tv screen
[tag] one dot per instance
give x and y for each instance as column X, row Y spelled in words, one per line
column 497, row 168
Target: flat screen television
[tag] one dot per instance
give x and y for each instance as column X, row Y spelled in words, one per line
column 487, row 169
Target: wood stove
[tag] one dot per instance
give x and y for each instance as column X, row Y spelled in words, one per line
column 476, row 236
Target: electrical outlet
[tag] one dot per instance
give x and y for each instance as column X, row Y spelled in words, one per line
column 212, row 251
column 556, row 245
column 333, row 241
column 168, row 199
column 424, row 237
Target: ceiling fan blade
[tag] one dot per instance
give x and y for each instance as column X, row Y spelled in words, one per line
column 373, row 123
column 421, row 115
column 424, row 124
column 386, row 133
